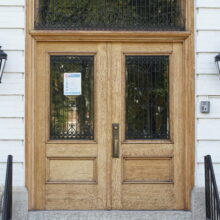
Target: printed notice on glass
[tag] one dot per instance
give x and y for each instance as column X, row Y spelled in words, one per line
column 72, row 84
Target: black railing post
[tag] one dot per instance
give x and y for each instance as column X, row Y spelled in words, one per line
column 211, row 191
column 207, row 188
column 7, row 199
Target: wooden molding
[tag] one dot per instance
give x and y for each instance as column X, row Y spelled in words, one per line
column 189, row 69
column 110, row 36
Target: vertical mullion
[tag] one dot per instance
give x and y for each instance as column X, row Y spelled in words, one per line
column 148, row 93
column 165, row 100
column 143, row 92
column 163, row 117
column 91, row 88
column 132, row 63
column 166, row 66
column 149, row 9
column 145, row 11
column 127, row 95
column 150, row 97
column 167, row 12
column 156, row 59
column 138, row 93
column 158, row 116
column 157, row 11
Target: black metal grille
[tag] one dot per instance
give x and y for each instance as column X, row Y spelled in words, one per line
column 211, row 191
column 148, row 15
column 147, row 97
column 71, row 117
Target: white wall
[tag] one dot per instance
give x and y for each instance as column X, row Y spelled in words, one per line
column 12, row 35
column 208, row 85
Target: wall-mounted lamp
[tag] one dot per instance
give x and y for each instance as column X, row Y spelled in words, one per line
column 217, row 61
column 3, row 58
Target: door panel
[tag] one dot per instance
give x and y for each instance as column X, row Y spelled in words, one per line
column 149, row 173
column 72, row 130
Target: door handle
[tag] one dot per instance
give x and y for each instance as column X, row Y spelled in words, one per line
column 115, row 140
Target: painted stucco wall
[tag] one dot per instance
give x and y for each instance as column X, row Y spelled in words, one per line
column 12, row 38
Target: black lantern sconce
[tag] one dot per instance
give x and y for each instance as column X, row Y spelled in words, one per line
column 3, row 58
column 217, row 61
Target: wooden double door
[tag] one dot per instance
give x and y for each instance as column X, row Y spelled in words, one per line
column 109, row 122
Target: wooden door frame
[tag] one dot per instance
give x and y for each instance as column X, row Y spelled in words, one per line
column 185, row 37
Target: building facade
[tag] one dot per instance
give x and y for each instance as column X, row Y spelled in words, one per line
column 13, row 26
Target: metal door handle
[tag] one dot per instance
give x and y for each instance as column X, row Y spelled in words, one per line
column 115, row 140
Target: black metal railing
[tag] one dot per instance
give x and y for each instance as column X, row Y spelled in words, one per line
column 7, row 196
column 211, row 191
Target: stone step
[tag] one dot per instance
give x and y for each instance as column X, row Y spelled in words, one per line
column 109, row 215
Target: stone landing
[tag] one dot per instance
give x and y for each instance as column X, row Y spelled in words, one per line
column 110, row 215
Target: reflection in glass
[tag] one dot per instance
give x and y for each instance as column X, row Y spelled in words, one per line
column 147, row 97
column 71, row 117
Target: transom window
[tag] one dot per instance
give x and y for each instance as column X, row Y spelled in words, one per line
column 146, row 15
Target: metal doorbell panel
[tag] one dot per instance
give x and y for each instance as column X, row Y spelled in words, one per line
column 205, row 106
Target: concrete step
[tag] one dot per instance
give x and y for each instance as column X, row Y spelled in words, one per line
column 109, row 215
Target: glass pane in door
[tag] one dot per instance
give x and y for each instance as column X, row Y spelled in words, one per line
column 147, row 97
column 71, row 112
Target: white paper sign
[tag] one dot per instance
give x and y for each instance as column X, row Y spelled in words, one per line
column 72, row 84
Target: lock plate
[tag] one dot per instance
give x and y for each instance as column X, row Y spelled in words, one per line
column 115, row 140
